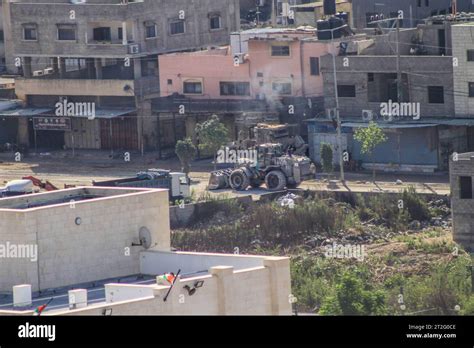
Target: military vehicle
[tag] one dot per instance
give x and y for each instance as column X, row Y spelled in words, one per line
column 275, row 167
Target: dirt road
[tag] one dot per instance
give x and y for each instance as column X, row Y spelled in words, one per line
column 61, row 168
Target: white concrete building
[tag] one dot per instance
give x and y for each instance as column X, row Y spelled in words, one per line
column 98, row 251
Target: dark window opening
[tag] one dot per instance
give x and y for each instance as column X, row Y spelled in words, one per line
column 235, row 88
column 314, row 62
column 150, row 30
column 471, row 89
column 102, row 34
column 470, row 55
column 177, row 28
column 30, row 33
column 435, row 94
column 465, row 187
column 370, row 77
column 280, row 51
column 120, row 33
column 192, row 88
column 215, row 22
column 66, row 32
column 346, row 91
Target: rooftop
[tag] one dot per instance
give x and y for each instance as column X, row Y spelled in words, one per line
column 66, row 197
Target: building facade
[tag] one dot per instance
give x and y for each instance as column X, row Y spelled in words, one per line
column 264, row 72
column 463, row 55
column 462, row 199
column 414, row 11
column 423, row 131
column 104, row 53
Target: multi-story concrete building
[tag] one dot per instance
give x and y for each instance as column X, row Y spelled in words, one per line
column 264, row 72
column 419, row 139
column 104, row 52
column 462, row 199
column 463, row 55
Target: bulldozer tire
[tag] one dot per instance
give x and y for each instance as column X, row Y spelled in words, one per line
column 275, row 181
column 239, row 181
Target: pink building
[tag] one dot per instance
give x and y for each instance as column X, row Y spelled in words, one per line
column 264, row 64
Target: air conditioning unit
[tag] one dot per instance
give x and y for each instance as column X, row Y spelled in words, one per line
column 48, row 71
column 367, row 115
column 331, row 114
column 239, row 58
column 38, row 73
column 134, row 49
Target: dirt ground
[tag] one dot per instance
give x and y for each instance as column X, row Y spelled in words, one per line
column 61, row 168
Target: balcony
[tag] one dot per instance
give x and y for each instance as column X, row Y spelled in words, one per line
column 73, row 87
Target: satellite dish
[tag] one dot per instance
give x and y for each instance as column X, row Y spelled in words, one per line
column 145, row 237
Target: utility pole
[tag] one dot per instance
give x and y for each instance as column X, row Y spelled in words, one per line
column 336, row 95
column 399, row 72
column 338, row 117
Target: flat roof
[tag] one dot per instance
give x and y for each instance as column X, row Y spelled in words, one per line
column 59, row 296
column 79, row 195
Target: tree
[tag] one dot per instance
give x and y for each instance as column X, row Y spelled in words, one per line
column 370, row 138
column 212, row 136
column 327, row 158
column 186, row 152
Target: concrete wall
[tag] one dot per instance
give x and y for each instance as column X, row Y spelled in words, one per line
column 261, row 290
column 462, row 209
column 215, row 66
column 47, row 14
column 422, row 71
column 27, row 87
column 97, row 249
column 462, row 35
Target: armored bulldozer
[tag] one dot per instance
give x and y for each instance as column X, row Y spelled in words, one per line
column 277, row 169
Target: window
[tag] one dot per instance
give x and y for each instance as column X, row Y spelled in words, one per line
column 177, row 27
column 427, row 3
column 314, row 62
column 465, row 187
column 470, row 55
column 170, row 82
column 235, row 88
column 436, row 94
column 215, row 22
column 370, row 77
column 30, row 33
column 120, row 33
column 281, row 88
column 150, row 30
column 419, row 3
column 2, row 36
column 66, row 32
column 280, row 51
column 346, row 91
column 192, row 87
column 102, row 34
column 471, row 89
